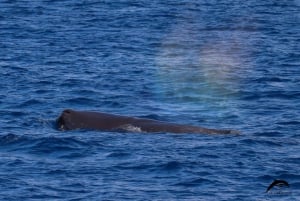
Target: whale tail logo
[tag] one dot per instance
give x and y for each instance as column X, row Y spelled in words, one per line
column 279, row 183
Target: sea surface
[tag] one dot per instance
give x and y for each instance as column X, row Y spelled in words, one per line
column 219, row 64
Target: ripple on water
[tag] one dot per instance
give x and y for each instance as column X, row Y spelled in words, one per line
column 11, row 139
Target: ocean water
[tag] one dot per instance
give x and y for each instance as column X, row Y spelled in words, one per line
column 219, row 64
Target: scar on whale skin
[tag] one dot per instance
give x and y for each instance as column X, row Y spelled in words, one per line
column 71, row 119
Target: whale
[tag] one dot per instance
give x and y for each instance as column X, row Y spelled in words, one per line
column 71, row 119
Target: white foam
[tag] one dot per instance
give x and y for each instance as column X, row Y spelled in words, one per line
column 131, row 128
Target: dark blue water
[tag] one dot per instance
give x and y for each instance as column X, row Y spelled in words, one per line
column 220, row 64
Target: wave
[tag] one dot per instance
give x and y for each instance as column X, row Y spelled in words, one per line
column 67, row 147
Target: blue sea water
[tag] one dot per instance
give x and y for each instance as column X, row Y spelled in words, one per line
column 220, row 64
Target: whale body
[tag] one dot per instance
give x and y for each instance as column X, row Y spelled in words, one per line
column 71, row 119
